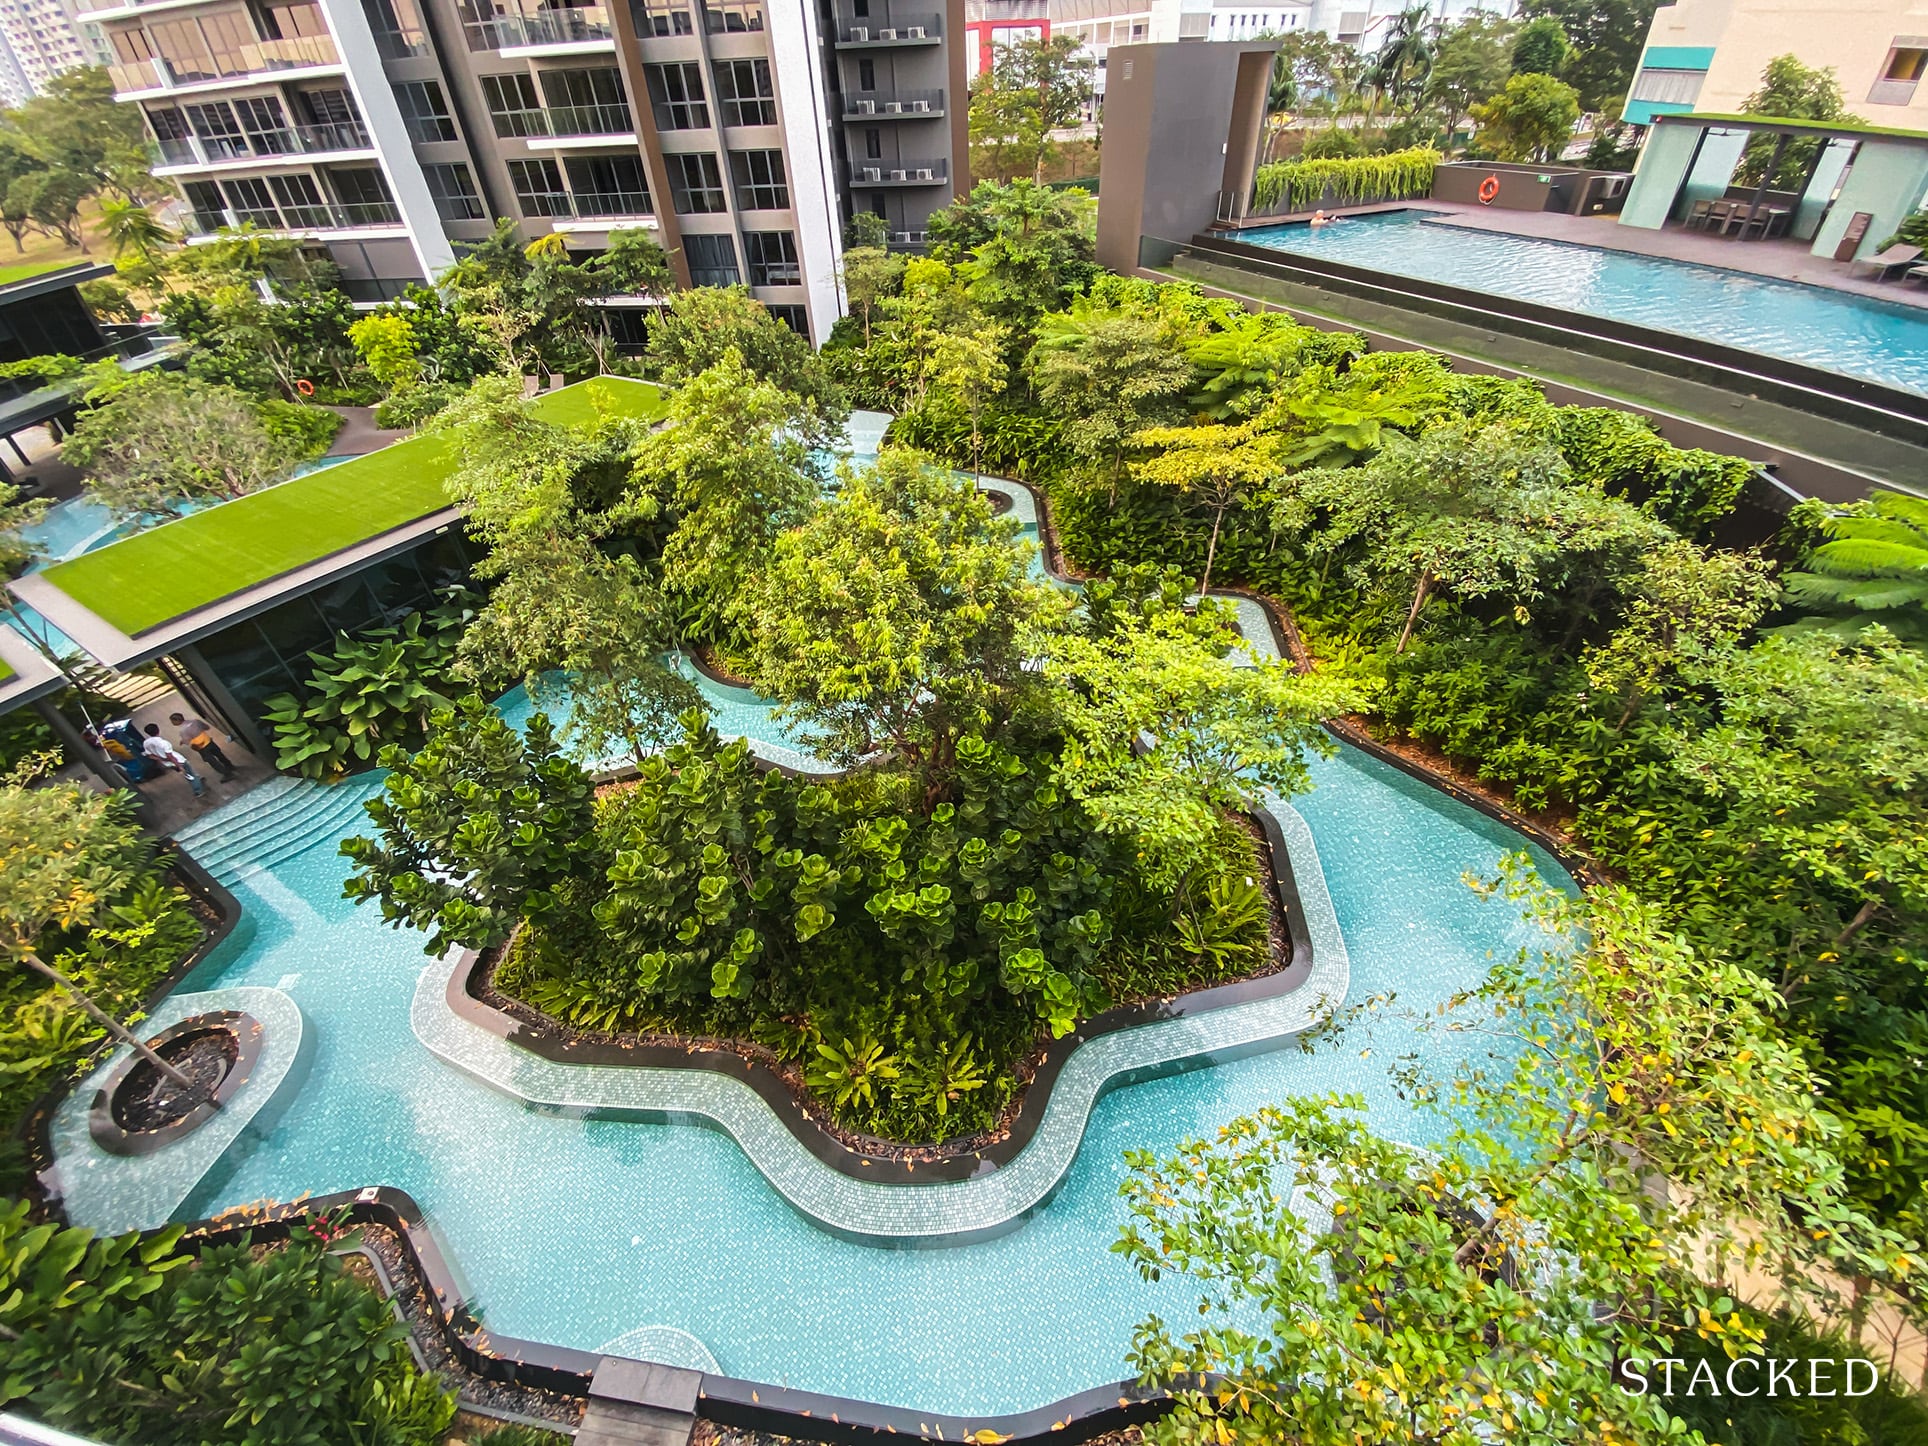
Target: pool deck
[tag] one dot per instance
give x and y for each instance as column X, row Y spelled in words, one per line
column 1779, row 260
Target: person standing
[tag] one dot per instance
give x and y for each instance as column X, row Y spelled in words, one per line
column 165, row 754
column 197, row 734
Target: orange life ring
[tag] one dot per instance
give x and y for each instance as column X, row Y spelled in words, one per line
column 1488, row 189
column 305, row 387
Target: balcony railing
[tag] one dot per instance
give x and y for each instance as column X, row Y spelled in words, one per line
column 401, row 44
column 262, row 145
column 899, row 173
column 348, row 217
column 732, row 17
column 894, row 105
column 565, row 120
column 585, row 205
column 907, row 30
column 302, row 53
column 513, row 29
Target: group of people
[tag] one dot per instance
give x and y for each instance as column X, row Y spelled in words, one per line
column 121, row 743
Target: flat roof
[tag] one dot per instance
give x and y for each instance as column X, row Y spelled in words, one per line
column 160, row 589
column 48, row 276
column 25, row 673
column 1794, row 125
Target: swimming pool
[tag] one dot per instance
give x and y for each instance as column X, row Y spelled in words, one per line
column 584, row 1232
column 1858, row 336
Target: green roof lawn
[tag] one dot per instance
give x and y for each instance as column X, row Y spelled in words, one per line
column 11, row 274
column 145, row 580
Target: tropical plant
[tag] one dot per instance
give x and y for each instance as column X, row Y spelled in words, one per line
column 1531, row 119
column 699, row 327
column 1302, row 184
column 850, row 1074
column 372, row 690
column 1035, row 86
column 1873, row 567
column 475, row 831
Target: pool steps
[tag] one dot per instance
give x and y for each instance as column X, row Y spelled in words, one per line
column 271, row 824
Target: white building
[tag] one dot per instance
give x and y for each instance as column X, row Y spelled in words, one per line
column 41, row 38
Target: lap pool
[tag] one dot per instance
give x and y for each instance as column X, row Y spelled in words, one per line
column 1879, row 341
column 582, row 1232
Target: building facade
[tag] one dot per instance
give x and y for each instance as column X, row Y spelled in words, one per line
column 41, row 38
column 1708, row 55
column 740, row 134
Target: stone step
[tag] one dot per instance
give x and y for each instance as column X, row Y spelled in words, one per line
column 637, row 1403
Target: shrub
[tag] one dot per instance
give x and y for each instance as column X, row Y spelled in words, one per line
column 304, row 430
column 1345, row 180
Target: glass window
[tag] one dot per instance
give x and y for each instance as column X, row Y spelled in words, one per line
column 773, row 258
column 167, row 122
column 760, row 184
column 794, row 317
column 538, row 188
column 301, row 200
column 608, row 185
column 328, row 107
column 219, row 131
column 676, row 95
column 744, row 94
column 425, row 110
column 513, row 105
column 1667, row 87
column 874, row 143
column 454, row 191
column 181, row 44
column 658, row 17
column 231, row 40
column 267, row 126
column 251, row 200
column 587, row 102
column 290, row 22
column 712, row 260
column 696, row 184
column 1906, row 63
column 866, row 75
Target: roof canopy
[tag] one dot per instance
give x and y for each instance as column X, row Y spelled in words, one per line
column 1793, row 126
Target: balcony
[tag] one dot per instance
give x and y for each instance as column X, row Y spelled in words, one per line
column 732, row 17
column 901, row 105
column 261, row 147
column 364, row 215
column 264, row 57
column 515, row 30
column 899, row 173
column 566, row 122
column 586, row 205
column 911, row 30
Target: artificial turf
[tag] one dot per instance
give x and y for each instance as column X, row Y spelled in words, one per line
column 28, row 270
column 147, row 579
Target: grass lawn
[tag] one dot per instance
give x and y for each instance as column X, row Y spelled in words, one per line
column 30, row 269
column 145, row 580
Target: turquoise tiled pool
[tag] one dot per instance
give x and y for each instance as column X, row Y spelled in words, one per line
column 594, row 1232
column 1882, row 341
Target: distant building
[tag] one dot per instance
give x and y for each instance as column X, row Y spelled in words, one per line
column 1708, row 55
column 42, row 38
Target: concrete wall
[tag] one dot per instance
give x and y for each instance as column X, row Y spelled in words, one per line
column 1181, row 127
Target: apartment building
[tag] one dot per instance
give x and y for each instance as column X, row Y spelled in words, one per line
column 740, row 134
column 1708, row 55
column 38, row 40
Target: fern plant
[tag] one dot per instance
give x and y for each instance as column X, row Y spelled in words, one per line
column 1875, row 561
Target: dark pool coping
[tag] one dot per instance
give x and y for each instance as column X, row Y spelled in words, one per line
column 32, row 1128
column 882, row 1163
column 113, row 1137
column 726, row 1400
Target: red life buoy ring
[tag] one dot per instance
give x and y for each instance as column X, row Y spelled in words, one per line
column 305, row 387
column 1488, row 189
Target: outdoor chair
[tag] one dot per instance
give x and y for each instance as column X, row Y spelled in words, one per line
column 1917, row 273
column 1894, row 258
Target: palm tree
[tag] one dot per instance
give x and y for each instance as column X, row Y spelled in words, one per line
column 1874, row 562
column 1404, row 61
column 132, row 227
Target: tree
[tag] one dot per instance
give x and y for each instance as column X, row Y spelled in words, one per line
column 75, row 127
column 1470, row 64
column 866, row 231
column 1215, row 465
column 1791, row 91
column 898, row 619
column 1637, row 1126
column 67, row 855
column 1531, row 119
column 698, row 327
column 871, row 276
column 969, row 366
column 1021, row 249
column 1112, row 371
column 1875, row 562
column 1173, row 722
column 1607, row 37
column 1540, row 48
column 1404, row 60
column 474, row 832
column 51, row 201
column 162, row 439
column 134, row 230
column 1034, row 87
column 1309, row 58
column 731, row 468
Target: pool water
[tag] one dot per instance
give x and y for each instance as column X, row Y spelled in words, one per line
column 1880, row 341
column 577, row 1231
